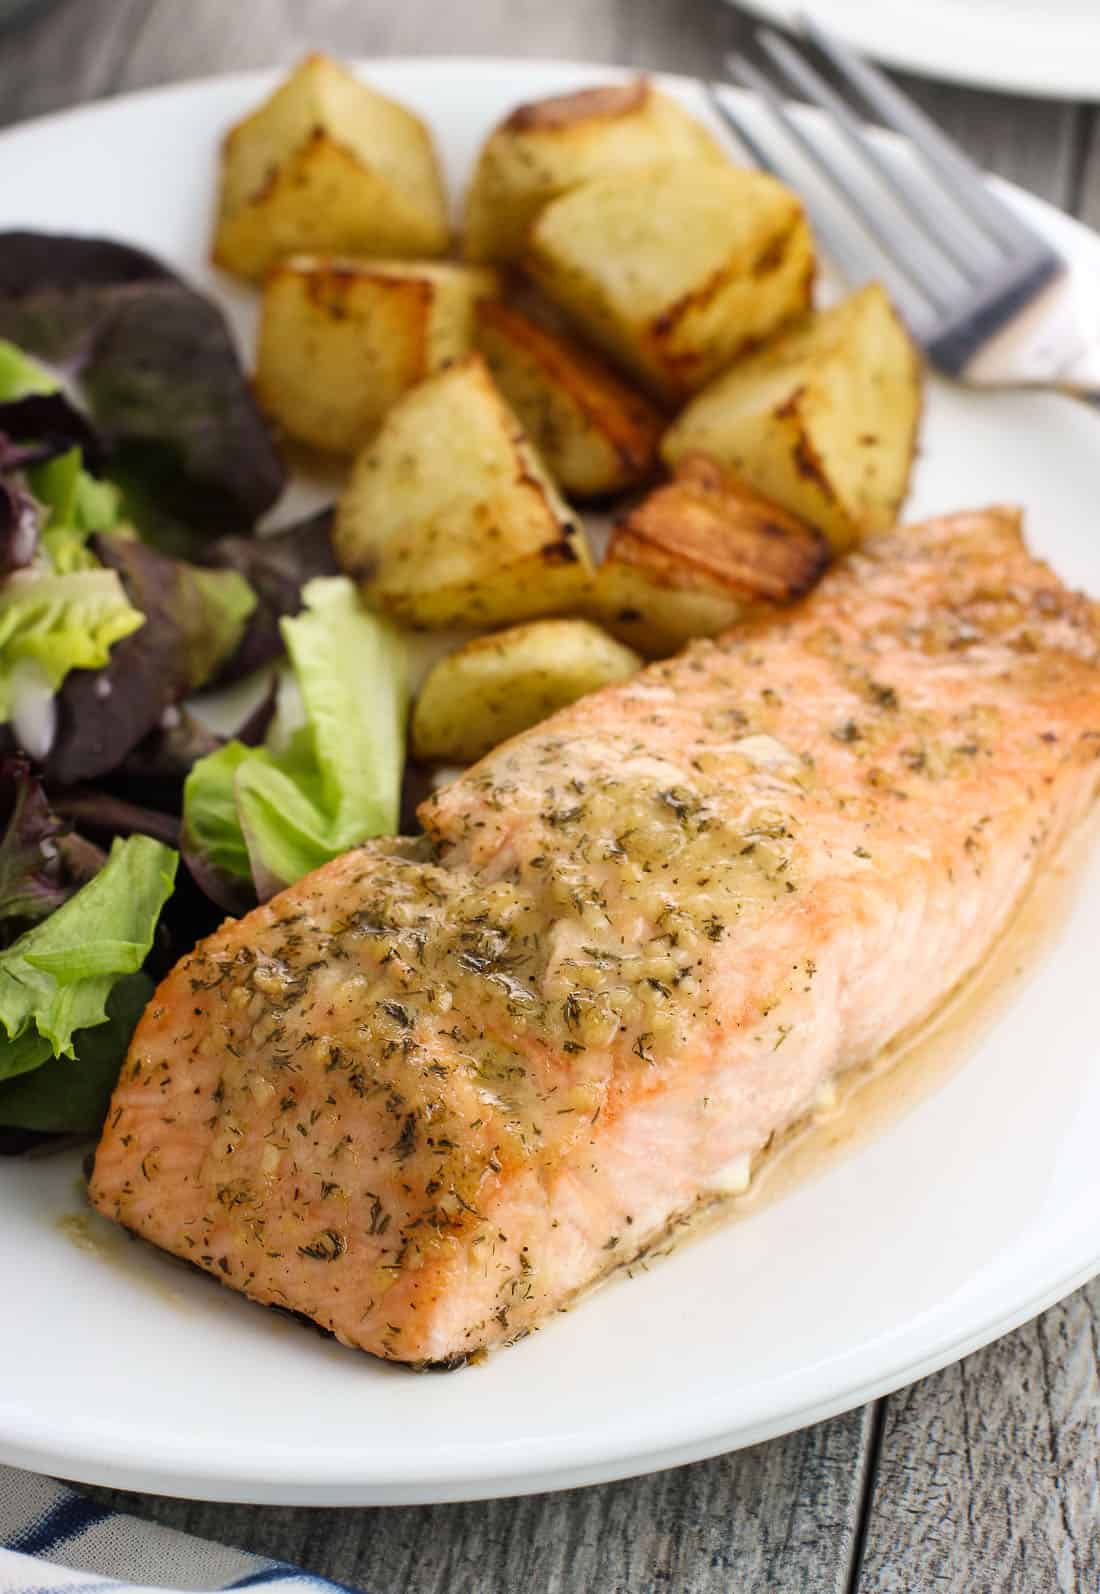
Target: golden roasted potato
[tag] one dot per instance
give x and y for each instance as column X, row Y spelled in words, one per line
column 698, row 554
column 547, row 147
column 496, row 686
column 675, row 269
column 450, row 517
column 327, row 164
column 340, row 340
column 657, row 609
column 595, row 434
column 824, row 419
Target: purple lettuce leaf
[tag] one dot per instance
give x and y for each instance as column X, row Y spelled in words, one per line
column 102, row 715
column 158, row 365
column 276, row 568
column 41, row 862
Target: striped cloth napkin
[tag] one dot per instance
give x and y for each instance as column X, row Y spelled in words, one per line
column 53, row 1539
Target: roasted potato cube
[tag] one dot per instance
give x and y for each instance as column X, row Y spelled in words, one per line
column 547, row 147
column 450, row 517
column 678, row 269
column 327, row 164
column 595, row 434
column 341, row 340
column 656, row 609
column 697, row 555
column 824, row 419
column 496, row 686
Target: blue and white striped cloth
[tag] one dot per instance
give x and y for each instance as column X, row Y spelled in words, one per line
column 53, row 1539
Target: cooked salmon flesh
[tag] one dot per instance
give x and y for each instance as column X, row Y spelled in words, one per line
column 440, row 1086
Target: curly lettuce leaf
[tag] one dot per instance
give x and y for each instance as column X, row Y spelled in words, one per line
column 59, row 623
column 266, row 816
column 57, row 977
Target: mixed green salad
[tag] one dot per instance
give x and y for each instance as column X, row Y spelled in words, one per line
column 134, row 467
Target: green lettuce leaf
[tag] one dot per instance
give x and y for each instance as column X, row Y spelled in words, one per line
column 271, row 814
column 76, row 505
column 71, row 1096
column 20, row 374
column 59, row 623
column 213, row 844
column 57, row 977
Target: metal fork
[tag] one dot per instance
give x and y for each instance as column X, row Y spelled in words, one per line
column 988, row 298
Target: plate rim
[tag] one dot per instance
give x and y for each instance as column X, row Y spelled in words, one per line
column 84, row 1461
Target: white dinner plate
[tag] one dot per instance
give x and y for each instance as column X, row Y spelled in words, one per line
column 966, row 1215
column 1049, row 47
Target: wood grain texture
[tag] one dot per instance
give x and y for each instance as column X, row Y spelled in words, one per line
column 988, row 1475
column 1087, row 200
column 71, row 52
column 779, row 1518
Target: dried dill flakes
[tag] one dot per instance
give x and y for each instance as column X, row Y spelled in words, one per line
column 713, row 928
column 680, row 802
column 557, row 818
column 379, row 1217
column 399, row 1013
column 405, row 1144
column 327, row 1247
column 882, row 696
column 848, row 732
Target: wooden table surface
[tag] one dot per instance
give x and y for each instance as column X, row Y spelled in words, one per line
column 984, row 1477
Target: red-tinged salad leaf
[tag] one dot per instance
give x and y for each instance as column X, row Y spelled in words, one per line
column 101, row 813
column 34, row 428
column 41, row 862
column 157, row 365
column 39, row 426
column 20, row 524
column 164, row 757
column 276, row 568
column 194, row 620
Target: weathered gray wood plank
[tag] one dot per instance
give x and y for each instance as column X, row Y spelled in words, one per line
column 681, row 35
column 776, row 1519
column 71, row 53
column 1088, row 205
column 989, row 1473
column 1031, row 142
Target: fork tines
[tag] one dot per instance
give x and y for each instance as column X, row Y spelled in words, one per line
column 947, row 246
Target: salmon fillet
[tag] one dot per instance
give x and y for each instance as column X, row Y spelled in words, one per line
column 438, row 1087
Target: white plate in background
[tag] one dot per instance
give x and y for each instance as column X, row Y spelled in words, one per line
column 1042, row 47
column 967, row 1215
